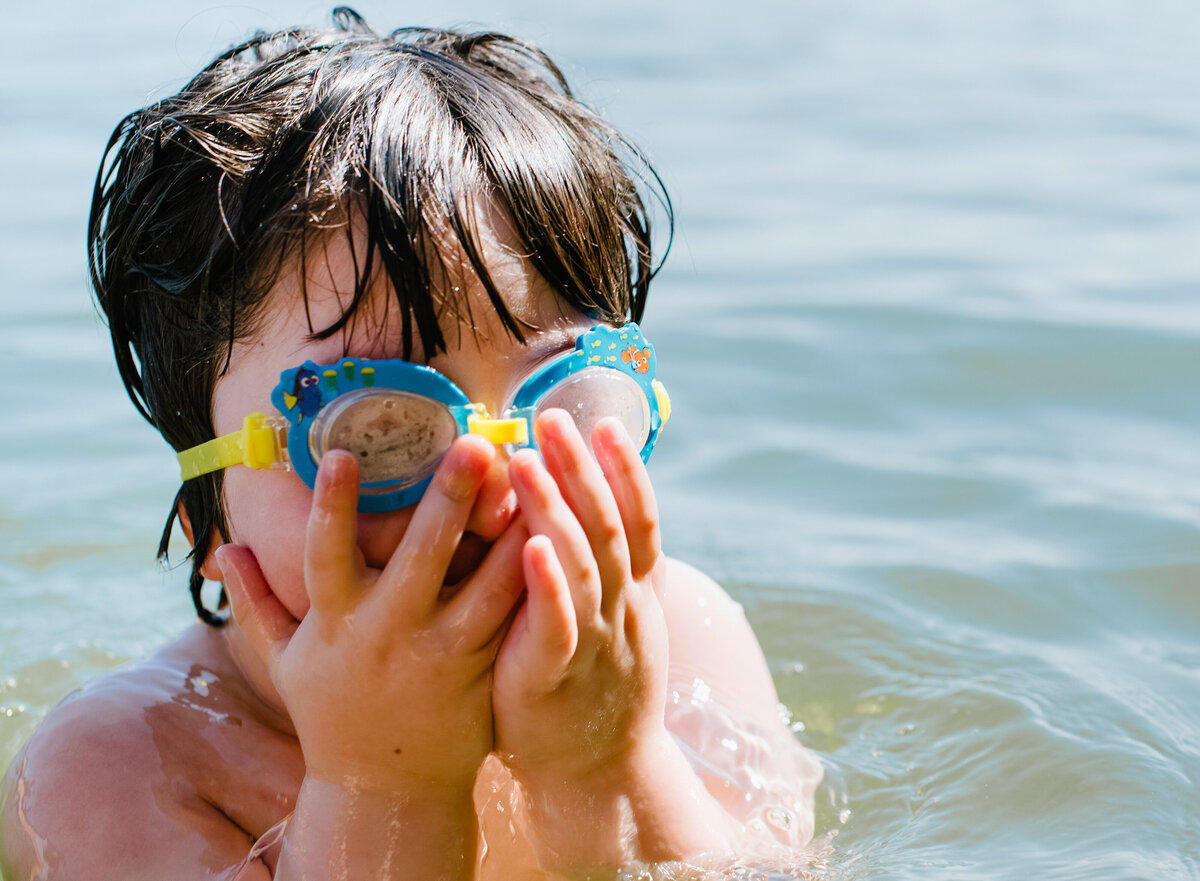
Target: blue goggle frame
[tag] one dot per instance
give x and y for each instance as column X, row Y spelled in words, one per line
column 310, row 392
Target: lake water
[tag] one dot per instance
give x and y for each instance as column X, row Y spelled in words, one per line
column 931, row 326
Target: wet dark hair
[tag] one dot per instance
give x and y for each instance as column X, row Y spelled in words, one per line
column 204, row 198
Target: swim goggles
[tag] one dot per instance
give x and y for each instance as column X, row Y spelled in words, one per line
column 399, row 418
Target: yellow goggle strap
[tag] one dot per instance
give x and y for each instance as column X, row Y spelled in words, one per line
column 255, row 445
column 664, row 400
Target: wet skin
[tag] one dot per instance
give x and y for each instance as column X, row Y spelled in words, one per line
column 493, row 660
column 177, row 761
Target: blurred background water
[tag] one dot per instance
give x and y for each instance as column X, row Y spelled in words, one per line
column 932, row 332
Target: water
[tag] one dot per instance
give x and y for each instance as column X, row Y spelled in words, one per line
column 931, row 330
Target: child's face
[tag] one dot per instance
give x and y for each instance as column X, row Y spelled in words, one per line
column 268, row 510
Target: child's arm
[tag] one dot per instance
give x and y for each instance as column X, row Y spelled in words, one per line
column 580, row 682
column 388, row 687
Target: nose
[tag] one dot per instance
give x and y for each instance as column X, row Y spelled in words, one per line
column 496, row 503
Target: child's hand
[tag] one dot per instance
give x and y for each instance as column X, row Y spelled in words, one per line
column 581, row 677
column 580, row 681
column 388, row 686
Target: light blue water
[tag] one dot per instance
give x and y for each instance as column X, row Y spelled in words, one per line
column 932, row 330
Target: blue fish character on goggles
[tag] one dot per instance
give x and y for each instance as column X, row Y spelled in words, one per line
column 399, row 418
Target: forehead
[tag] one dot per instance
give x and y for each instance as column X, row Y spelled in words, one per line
column 315, row 290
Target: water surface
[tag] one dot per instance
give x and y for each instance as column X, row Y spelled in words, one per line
column 932, row 332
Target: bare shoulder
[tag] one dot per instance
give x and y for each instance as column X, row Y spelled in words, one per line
column 113, row 784
column 712, row 640
column 735, row 735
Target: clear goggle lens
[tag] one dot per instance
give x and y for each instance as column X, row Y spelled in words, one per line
column 397, row 437
column 594, row 393
column 398, row 419
column 400, row 437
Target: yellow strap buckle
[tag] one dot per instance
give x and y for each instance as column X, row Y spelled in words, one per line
column 256, row 445
column 498, row 431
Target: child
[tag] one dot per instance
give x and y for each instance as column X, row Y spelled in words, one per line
column 443, row 653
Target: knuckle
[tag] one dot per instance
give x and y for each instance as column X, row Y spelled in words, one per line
column 642, row 523
column 626, row 467
column 566, row 461
column 609, row 532
column 589, row 572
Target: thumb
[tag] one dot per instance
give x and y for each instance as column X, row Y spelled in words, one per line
column 266, row 623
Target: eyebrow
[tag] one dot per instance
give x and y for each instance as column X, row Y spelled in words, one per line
column 547, row 345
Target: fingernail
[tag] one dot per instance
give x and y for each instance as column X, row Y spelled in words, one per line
column 612, row 428
column 556, row 420
column 523, row 460
column 333, row 466
column 461, row 479
column 610, row 439
column 460, row 485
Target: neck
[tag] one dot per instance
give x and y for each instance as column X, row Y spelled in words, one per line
column 256, row 676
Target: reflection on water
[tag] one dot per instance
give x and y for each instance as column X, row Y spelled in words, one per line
column 930, row 329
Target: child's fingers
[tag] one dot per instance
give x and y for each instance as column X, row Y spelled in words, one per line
column 543, row 639
column 551, row 619
column 413, row 576
column 484, row 605
column 547, row 514
column 587, row 494
column 332, row 559
column 266, row 623
column 630, row 483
